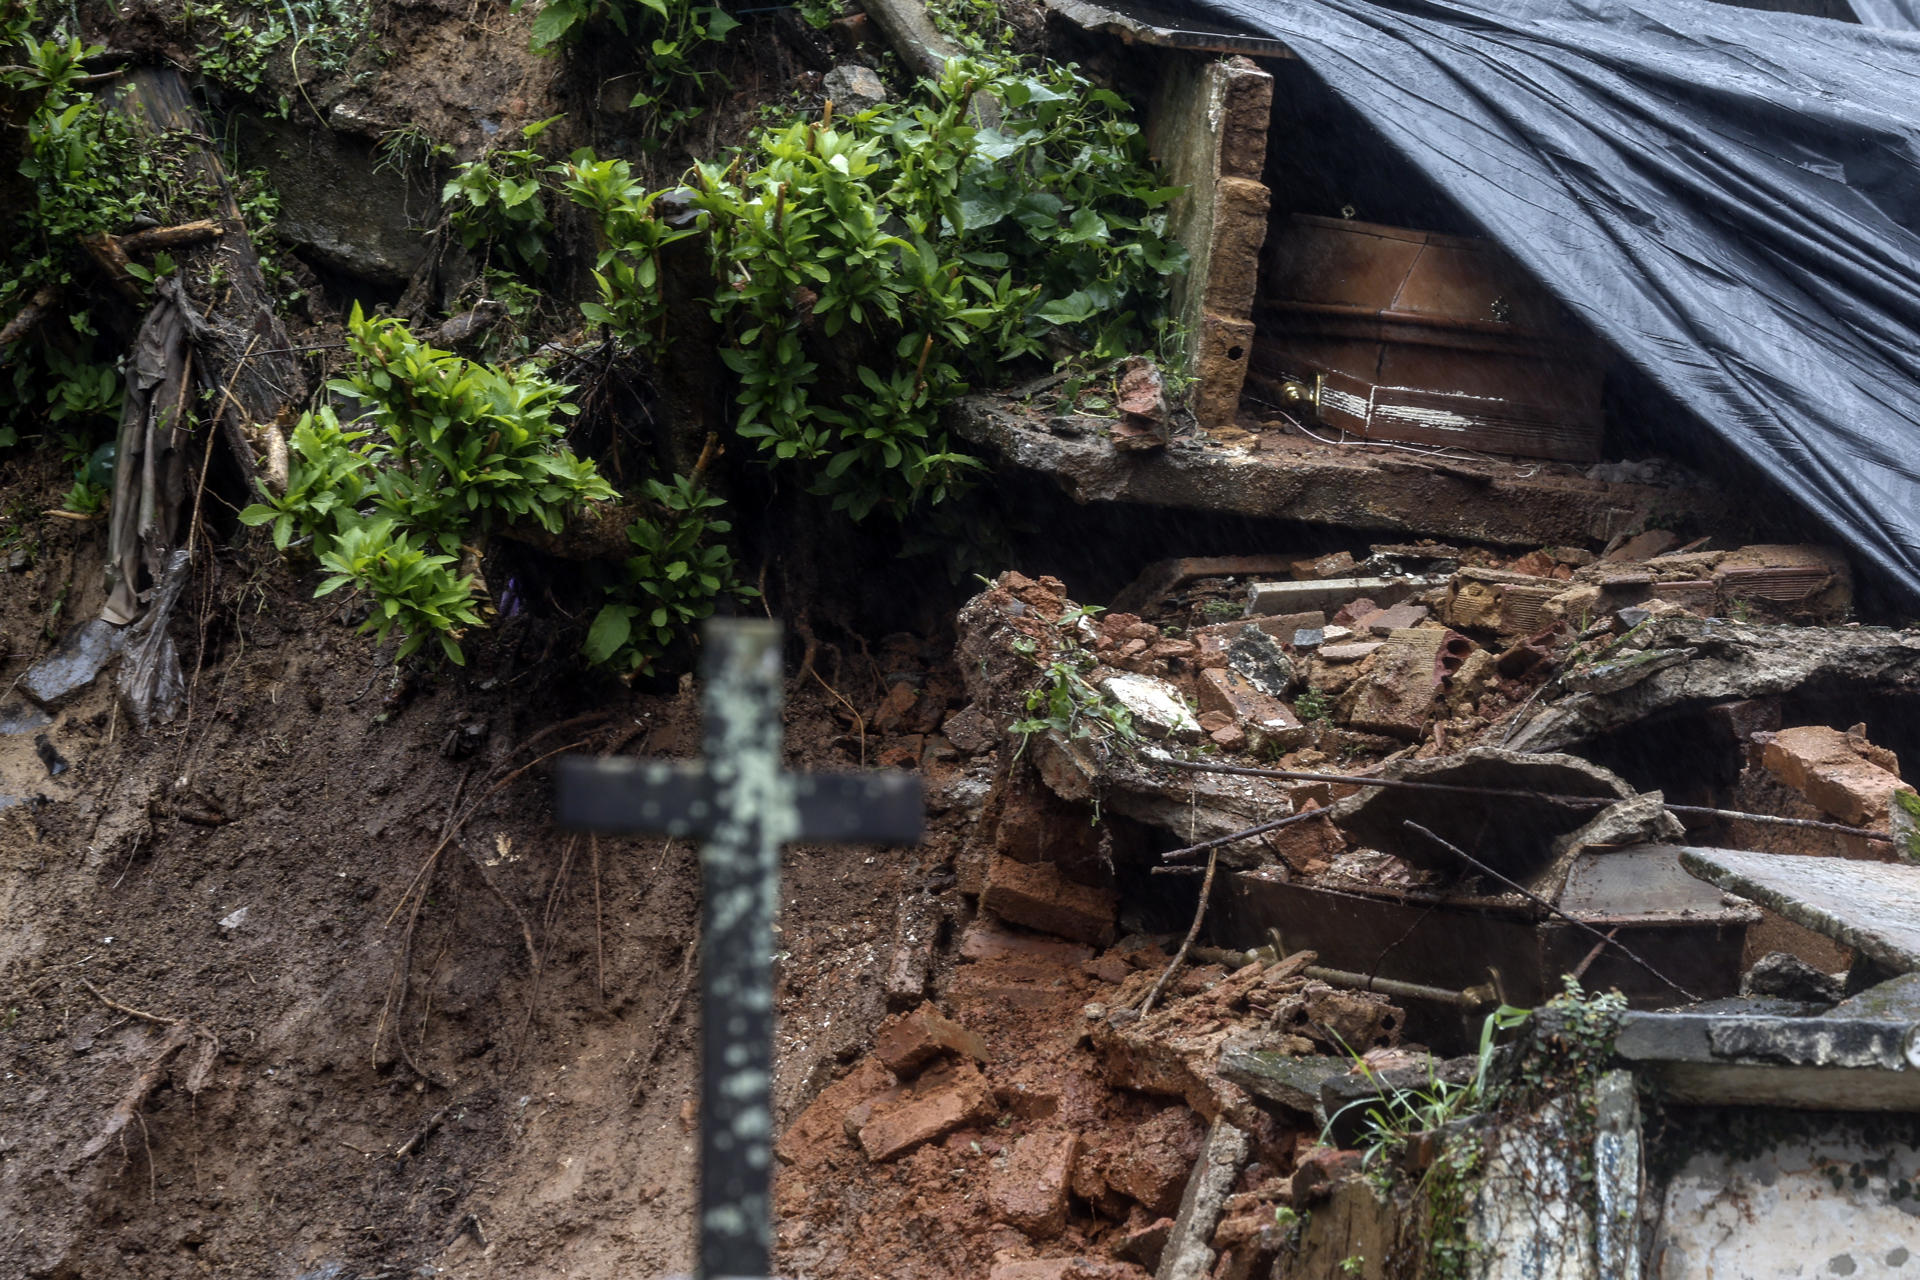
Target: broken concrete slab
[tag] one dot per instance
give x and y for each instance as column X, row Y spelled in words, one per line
column 1821, row 1063
column 22, row 717
column 1818, row 1197
column 1157, row 708
column 1512, row 833
column 1678, row 662
column 1188, row 1254
column 1292, row 1081
column 1895, row 1000
column 1873, row 907
column 1290, row 477
column 1330, row 593
column 74, row 663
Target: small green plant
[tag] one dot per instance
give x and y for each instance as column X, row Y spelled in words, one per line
column 1221, row 610
column 627, row 271
column 444, row 451
column 412, row 589
column 407, row 150
column 237, row 48
column 676, row 37
column 1398, row 1113
column 1063, row 699
column 1312, row 705
column 500, row 201
column 677, row 576
column 163, row 266
column 1353, row 1264
column 86, row 498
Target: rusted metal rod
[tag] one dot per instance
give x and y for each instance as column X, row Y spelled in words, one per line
column 1458, row 789
column 1471, row 1000
column 1250, row 832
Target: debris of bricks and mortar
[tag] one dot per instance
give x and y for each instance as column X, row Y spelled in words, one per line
column 1077, row 1043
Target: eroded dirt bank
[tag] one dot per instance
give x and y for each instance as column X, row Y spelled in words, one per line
column 208, row 1065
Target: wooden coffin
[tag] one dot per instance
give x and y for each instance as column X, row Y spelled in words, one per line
column 1423, row 338
column 1682, row 926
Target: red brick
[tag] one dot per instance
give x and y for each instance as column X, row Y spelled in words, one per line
column 1030, row 1193
column 1157, row 1159
column 1035, row 824
column 1823, row 765
column 1231, row 693
column 906, row 1042
column 1340, row 564
column 1144, row 1244
column 1231, row 738
column 820, row 1130
column 940, row 1101
column 895, row 708
column 1381, row 622
column 1307, row 846
column 1109, row 968
column 988, row 939
column 1038, row 896
column 1072, row 1268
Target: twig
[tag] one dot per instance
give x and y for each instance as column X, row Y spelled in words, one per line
column 1518, row 793
column 599, row 936
column 1186, row 945
column 421, row 1134
column 665, row 1023
column 129, row 1010
column 186, row 233
column 28, row 316
column 1541, row 902
column 1249, row 833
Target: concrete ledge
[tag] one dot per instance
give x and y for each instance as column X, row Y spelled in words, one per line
column 1514, row 504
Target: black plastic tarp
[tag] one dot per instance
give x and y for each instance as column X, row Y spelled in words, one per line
column 1730, row 197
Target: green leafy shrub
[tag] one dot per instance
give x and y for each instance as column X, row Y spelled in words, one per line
column 500, row 200
column 412, row 589
column 82, row 171
column 450, row 451
column 675, row 39
column 627, row 270
column 869, row 272
column 676, row 577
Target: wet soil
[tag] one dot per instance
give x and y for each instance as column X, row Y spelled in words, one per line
column 209, row 1060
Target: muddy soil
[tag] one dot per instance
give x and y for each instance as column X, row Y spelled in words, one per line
column 226, row 1045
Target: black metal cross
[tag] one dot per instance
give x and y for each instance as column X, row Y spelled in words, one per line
column 744, row 806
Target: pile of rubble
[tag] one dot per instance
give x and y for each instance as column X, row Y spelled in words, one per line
column 1248, row 848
